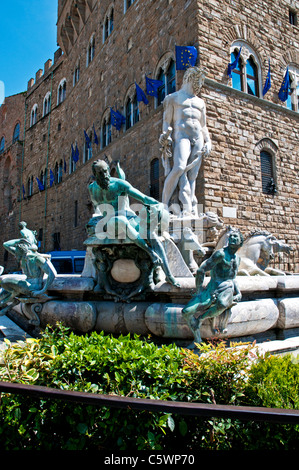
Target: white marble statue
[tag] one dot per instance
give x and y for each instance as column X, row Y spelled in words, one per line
column 186, row 139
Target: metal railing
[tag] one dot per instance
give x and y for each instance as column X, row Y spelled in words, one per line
column 247, row 413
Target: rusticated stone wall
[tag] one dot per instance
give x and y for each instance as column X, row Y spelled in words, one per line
column 11, row 114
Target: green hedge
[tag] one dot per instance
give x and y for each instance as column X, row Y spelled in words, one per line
column 135, row 367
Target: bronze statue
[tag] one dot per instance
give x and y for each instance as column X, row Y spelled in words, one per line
column 117, row 221
column 222, row 291
column 34, row 265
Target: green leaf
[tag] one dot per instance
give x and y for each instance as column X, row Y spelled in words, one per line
column 151, row 438
column 33, row 374
column 170, row 423
column 82, row 428
column 17, row 413
column 117, row 376
column 183, row 427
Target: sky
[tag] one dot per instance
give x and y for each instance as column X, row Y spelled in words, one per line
column 28, row 39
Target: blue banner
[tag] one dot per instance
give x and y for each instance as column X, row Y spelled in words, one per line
column 40, row 184
column 267, row 85
column 141, row 95
column 152, row 86
column 186, row 57
column 285, row 86
column 117, row 119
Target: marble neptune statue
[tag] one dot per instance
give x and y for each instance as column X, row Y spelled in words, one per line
column 222, row 291
column 186, row 139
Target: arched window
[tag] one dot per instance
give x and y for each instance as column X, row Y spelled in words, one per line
column 168, row 79
column 132, row 111
column 154, row 179
column 47, row 104
column 252, row 77
column 33, row 115
column 267, row 172
column 106, row 135
column 60, row 172
column 87, row 150
column 127, row 4
column 246, row 74
column 72, row 165
column 30, row 186
column 56, row 173
column 90, row 51
column 237, row 71
column 43, row 175
column 108, row 25
column 2, row 145
column 161, row 90
column 61, row 94
column 293, row 98
column 16, row 133
column 76, row 74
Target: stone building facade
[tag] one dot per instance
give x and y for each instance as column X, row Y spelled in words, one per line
column 11, row 160
column 250, row 179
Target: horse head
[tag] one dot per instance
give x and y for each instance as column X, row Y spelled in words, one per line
column 279, row 246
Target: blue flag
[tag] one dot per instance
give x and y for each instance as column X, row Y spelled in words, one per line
column 75, row 153
column 141, row 95
column 88, row 143
column 24, row 192
column 64, row 165
column 152, row 86
column 233, row 65
column 267, row 85
column 96, row 140
column 284, row 89
column 117, row 119
column 186, row 56
column 40, row 184
column 52, row 178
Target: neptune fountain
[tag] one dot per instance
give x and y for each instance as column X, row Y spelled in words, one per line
column 164, row 269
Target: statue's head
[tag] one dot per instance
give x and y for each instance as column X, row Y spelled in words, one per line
column 22, row 225
column 196, row 75
column 235, row 238
column 101, row 172
column 22, row 247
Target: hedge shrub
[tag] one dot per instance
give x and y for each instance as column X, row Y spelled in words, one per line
column 136, row 367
